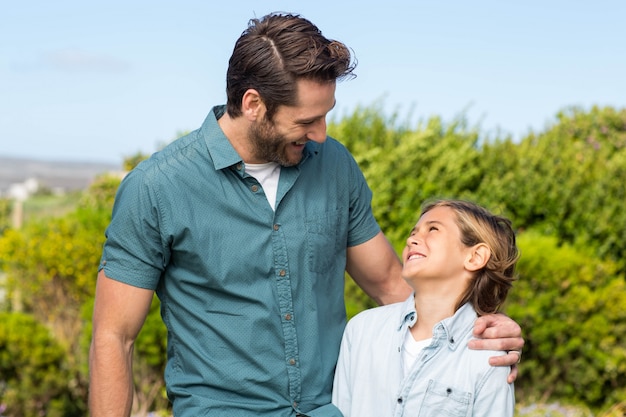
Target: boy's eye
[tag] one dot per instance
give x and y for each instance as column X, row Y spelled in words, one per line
column 432, row 228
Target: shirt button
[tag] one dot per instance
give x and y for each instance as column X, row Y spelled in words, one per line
column 287, row 316
column 255, row 188
column 276, row 227
column 282, row 273
column 399, row 400
column 292, row 361
column 239, row 166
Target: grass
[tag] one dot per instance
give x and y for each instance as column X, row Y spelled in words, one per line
column 49, row 205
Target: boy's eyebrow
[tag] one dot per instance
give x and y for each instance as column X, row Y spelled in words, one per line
column 434, row 221
column 429, row 222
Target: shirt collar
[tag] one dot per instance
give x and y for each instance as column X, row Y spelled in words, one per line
column 452, row 329
column 222, row 152
column 409, row 315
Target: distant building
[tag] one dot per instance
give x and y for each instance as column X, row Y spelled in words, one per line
column 22, row 191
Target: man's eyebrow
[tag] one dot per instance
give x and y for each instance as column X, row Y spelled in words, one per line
column 310, row 119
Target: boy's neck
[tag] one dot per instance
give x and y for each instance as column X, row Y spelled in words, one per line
column 431, row 309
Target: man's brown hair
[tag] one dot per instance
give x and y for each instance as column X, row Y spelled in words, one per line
column 277, row 50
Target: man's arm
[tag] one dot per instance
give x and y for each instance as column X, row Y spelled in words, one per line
column 119, row 313
column 376, row 268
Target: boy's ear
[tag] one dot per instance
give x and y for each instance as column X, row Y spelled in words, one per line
column 252, row 105
column 478, row 257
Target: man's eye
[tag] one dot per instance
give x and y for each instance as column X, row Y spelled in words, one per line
column 432, row 228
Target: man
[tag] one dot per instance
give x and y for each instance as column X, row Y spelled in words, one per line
column 244, row 229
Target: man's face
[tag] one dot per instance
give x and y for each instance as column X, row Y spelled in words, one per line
column 282, row 139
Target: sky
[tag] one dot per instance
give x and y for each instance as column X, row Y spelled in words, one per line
column 102, row 80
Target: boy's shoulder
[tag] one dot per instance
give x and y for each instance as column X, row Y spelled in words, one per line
column 390, row 314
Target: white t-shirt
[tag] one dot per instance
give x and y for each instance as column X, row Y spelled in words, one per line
column 267, row 175
column 410, row 349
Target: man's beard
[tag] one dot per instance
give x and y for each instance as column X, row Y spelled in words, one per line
column 268, row 145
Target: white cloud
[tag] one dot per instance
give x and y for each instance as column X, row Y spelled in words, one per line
column 76, row 60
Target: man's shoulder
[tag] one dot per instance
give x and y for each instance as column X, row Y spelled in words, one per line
column 176, row 156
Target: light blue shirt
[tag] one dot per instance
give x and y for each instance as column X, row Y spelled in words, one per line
column 252, row 298
column 447, row 378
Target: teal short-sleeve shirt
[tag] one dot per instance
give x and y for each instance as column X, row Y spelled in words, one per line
column 252, row 298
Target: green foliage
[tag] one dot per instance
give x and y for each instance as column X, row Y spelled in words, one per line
column 34, row 379
column 131, row 162
column 568, row 181
column 571, row 307
column 49, row 205
column 51, row 265
column 356, row 299
column 6, row 209
column 406, row 167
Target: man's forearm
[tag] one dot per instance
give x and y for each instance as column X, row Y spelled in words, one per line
column 110, row 380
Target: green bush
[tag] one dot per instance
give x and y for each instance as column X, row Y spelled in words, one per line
column 404, row 167
column 33, row 371
column 567, row 181
column 571, row 307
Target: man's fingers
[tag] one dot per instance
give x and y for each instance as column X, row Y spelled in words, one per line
column 510, row 359
column 518, row 353
column 507, row 344
column 513, row 375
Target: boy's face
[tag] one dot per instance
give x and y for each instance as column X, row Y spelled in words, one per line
column 434, row 251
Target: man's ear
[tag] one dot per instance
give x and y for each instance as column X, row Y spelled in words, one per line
column 477, row 257
column 252, row 105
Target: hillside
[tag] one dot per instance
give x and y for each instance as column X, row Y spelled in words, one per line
column 56, row 175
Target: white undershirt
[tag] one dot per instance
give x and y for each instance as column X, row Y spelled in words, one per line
column 267, row 175
column 411, row 348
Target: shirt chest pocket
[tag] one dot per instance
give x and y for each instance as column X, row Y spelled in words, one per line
column 442, row 400
column 325, row 240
